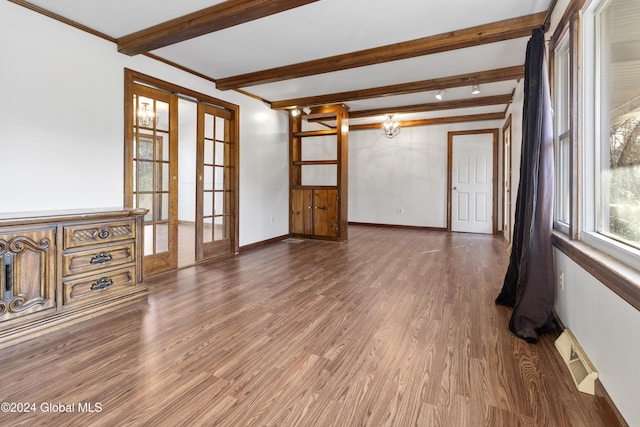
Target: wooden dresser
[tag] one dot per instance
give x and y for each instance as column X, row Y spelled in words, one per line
column 64, row 266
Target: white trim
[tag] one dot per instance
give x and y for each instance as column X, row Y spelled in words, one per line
column 624, row 253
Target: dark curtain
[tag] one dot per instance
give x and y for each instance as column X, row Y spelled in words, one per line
column 529, row 286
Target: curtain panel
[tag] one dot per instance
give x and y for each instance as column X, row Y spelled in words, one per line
column 529, row 283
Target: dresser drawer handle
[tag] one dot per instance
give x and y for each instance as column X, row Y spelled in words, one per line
column 101, row 284
column 104, row 233
column 101, row 258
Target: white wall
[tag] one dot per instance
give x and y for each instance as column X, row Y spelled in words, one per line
column 61, row 116
column 607, row 328
column 402, row 181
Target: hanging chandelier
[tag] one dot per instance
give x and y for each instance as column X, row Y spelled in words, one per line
column 390, row 128
column 146, row 116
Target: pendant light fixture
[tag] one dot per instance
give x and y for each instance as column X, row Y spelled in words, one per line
column 390, row 128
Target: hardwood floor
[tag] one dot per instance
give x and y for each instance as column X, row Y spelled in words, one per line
column 392, row 328
column 186, row 244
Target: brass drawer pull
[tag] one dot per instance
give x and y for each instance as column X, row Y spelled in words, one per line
column 101, row 258
column 101, row 284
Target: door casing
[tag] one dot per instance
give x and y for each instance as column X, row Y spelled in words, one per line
column 451, row 135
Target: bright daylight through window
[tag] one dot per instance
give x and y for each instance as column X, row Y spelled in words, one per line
column 619, row 213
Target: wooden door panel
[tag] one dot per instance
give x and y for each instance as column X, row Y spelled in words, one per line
column 325, row 212
column 301, row 211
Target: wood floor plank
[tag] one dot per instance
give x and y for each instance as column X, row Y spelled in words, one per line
column 391, row 328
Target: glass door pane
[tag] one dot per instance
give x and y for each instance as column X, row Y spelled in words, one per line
column 152, row 169
column 215, row 187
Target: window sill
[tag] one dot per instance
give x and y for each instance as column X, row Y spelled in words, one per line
column 616, row 275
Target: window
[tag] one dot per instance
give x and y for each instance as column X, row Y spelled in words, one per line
column 619, row 48
column 562, row 140
column 564, row 57
column 612, row 127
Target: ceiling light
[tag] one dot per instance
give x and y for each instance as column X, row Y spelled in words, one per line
column 475, row 90
column 440, row 95
column 390, row 128
column 295, row 112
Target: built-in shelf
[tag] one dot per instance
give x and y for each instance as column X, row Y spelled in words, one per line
column 323, row 132
column 318, row 188
column 320, row 115
column 315, row 162
column 314, row 187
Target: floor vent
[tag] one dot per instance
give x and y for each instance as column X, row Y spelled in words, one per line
column 582, row 370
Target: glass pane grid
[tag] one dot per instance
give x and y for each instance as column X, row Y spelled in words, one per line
column 151, row 172
column 215, row 194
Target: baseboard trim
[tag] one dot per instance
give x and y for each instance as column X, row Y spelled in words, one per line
column 602, row 393
column 405, row 227
column 262, row 243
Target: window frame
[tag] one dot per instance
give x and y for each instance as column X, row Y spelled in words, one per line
column 567, row 32
column 594, row 137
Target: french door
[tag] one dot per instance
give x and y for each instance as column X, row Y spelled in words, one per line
column 215, row 189
column 151, row 172
column 152, row 180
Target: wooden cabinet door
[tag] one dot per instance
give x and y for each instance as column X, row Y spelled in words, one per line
column 325, row 213
column 27, row 273
column 302, row 211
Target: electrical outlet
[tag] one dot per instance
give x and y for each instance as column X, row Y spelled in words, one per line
column 273, row 219
column 561, row 281
column 399, row 211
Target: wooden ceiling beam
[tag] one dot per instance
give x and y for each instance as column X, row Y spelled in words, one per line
column 474, row 36
column 435, row 106
column 482, row 77
column 435, row 121
column 220, row 16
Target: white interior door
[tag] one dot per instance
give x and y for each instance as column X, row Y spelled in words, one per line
column 472, row 183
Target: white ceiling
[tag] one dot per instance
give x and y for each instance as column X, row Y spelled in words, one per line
column 322, row 29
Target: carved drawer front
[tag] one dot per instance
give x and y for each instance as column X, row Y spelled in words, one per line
column 99, row 286
column 98, row 259
column 91, row 234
